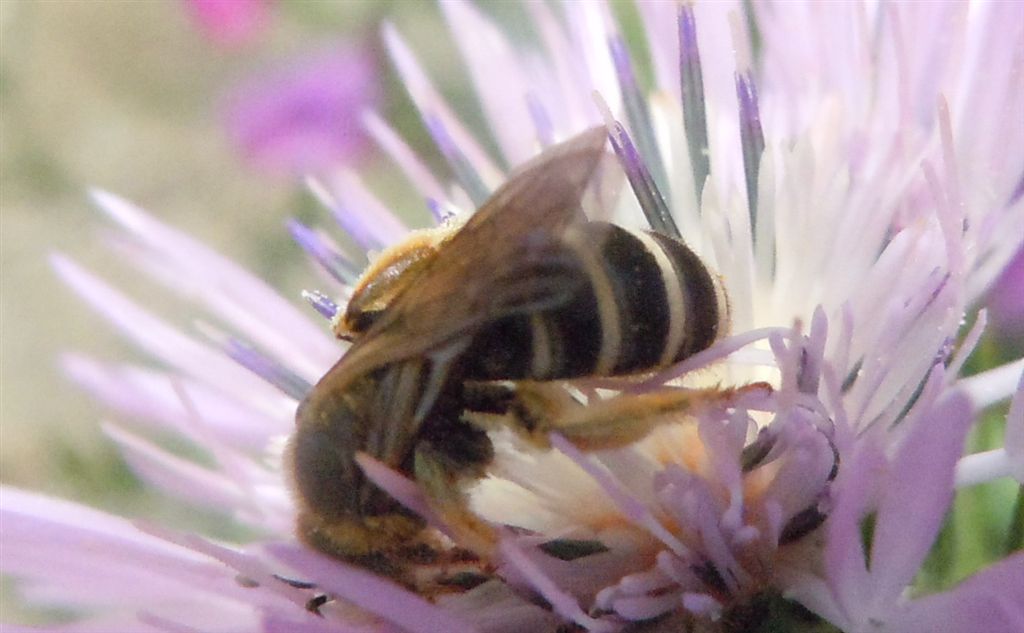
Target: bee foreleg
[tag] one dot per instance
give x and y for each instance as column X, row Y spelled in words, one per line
column 488, row 398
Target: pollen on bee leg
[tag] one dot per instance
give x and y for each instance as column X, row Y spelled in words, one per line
column 627, row 418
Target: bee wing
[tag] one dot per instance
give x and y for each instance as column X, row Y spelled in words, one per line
column 506, row 259
column 604, row 192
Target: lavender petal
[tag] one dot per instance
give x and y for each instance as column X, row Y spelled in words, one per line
column 330, row 259
column 652, row 203
column 638, row 114
column 752, row 141
column 321, row 303
column 692, row 89
column 369, row 591
column 464, row 171
column 990, row 600
column 266, row 368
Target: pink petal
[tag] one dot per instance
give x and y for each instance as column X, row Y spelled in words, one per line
column 589, row 30
column 568, row 97
column 113, row 564
column 401, row 488
column 122, row 623
column 813, row 592
column 248, row 565
column 361, row 213
column 564, row 604
column 716, row 352
column 403, row 156
column 178, row 477
column 1014, row 434
column 1006, row 300
column 993, row 385
column 630, row 506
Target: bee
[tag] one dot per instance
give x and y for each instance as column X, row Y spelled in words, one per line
column 459, row 328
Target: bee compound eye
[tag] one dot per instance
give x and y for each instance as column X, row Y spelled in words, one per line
column 361, row 321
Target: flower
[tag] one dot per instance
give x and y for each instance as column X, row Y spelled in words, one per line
column 1007, row 299
column 913, row 489
column 849, row 174
column 297, row 119
column 230, row 23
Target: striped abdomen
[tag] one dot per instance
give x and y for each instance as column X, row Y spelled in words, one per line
column 647, row 301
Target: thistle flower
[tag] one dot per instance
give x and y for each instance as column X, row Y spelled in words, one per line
column 854, row 176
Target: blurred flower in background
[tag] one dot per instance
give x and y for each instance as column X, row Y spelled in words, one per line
column 230, row 23
column 145, row 84
column 297, row 116
column 844, row 170
column 303, row 118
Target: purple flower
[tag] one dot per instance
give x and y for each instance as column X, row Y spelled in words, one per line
column 853, row 180
column 300, row 118
column 230, row 23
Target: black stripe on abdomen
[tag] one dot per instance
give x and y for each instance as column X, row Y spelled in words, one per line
column 574, row 332
column 569, row 334
column 650, row 294
column 640, row 298
column 500, row 351
column 700, row 298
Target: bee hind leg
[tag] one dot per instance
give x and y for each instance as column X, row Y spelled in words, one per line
column 528, row 408
column 617, row 421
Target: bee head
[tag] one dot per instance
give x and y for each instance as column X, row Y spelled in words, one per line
column 386, row 277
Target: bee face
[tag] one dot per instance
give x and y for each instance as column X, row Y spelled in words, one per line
column 526, row 290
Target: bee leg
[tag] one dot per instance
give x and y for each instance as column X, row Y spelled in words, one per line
column 527, row 408
column 441, row 470
column 489, row 398
column 617, row 421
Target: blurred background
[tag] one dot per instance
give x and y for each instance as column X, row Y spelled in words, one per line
column 207, row 113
